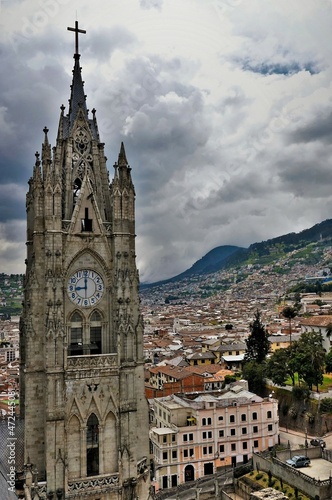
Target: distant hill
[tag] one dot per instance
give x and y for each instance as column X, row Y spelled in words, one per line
column 227, row 256
column 211, row 262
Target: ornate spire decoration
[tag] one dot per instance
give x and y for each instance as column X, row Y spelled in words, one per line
column 122, row 160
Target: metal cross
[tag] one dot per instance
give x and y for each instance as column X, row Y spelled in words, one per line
column 77, row 31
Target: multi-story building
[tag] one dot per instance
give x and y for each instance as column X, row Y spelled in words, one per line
column 198, row 435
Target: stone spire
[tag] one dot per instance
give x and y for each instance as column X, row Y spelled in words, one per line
column 77, row 97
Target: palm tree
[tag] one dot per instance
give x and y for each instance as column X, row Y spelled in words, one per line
column 289, row 313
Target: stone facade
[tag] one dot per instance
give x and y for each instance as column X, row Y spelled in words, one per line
column 82, row 382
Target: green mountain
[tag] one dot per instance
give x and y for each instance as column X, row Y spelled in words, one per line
column 211, row 262
column 265, row 252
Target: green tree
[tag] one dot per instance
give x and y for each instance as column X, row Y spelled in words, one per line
column 328, row 330
column 258, row 344
column 279, row 366
column 255, row 374
column 328, row 362
column 310, row 357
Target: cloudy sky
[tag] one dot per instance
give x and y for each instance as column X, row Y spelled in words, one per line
column 224, row 107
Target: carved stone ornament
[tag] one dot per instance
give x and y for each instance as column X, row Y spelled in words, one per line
column 89, row 484
column 82, row 141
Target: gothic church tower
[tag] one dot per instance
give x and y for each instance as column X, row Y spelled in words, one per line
column 82, row 381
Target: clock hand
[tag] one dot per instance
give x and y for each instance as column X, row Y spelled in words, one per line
column 86, row 286
column 83, row 287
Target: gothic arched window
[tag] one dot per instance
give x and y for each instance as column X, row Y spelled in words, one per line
column 92, row 446
column 76, row 335
column 76, row 190
column 85, row 334
column 95, row 333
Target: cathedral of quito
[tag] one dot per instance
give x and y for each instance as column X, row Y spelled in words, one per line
column 81, row 332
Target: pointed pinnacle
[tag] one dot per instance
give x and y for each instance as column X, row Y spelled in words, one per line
column 122, row 161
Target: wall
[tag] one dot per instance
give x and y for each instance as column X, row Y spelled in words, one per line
column 311, row 487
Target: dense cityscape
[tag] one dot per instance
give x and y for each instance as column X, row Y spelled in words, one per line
column 193, row 345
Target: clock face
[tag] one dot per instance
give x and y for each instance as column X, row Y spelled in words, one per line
column 85, row 288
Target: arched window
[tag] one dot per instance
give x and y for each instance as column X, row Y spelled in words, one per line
column 76, row 335
column 92, row 446
column 95, row 333
column 76, row 190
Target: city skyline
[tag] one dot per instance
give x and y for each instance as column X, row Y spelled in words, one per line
column 224, row 108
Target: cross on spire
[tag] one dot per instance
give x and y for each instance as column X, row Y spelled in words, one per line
column 77, row 31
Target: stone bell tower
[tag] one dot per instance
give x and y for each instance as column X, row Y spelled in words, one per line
column 82, row 382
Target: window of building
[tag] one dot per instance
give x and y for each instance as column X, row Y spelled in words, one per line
column 76, row 335
column 174, row 480
column 232, row 418
column 270, row 427
column 204, row 450
column 76, row 190
column 164, row 439
column 191, row 437
column 95, row 333
column 255, row 429
column 244, row 430
column 256, row 444
column 165, row 482
column 210, row 450
column 243, row 417
column 92, row 445
column 254, row 416
column 191, row 452
column 185, row 453
column 86, row 223
column 85, row 334
column 165, row 455
column 221, row 433
column 209, row 421
column 233, row 446
column 174, row 454
column 269, row 414
column 220, row 418
column 245, row 445
column 203, row 421
column 185, row 437
column 232, row 432
column 222, row 448
column 210, row 434
column 173, row 438
column 204, row 435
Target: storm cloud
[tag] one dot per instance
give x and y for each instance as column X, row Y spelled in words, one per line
column 224, row 108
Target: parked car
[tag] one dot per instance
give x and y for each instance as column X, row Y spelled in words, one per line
column 318, row 442
column 298, row 461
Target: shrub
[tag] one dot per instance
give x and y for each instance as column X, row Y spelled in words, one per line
column 300, row 392
column 326, row 405
column 259, row 476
